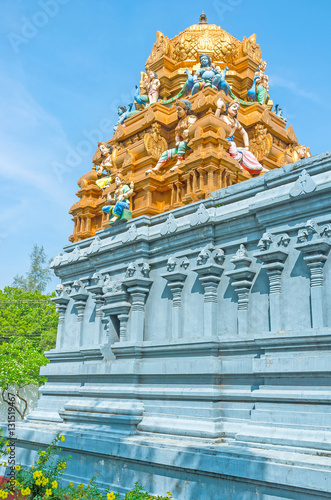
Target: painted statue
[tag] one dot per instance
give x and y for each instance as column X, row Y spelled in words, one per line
column 279, row 112
column 104, row 165
column 153, row 87
column 186, row 118
column 148, row 90
column 124, row 113
column 207, row 75
column 260, row 88
column 120, row 200
column 228, row 113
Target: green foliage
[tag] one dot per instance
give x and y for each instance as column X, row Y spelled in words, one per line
column 42, row 480
column 138, row 493
column 39, row 275
column 28, row 314
column 20, row 362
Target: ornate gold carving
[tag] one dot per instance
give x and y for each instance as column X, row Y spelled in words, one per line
column 249, row 47
column 155, row 144
column 287, row 156
column 160, row 48
column 291, row 135
column 129, row 159
column 205, row 38
column 260, row 144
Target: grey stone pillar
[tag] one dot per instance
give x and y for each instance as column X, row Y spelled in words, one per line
column 175, row 281
column 116, row 306
column 273, row 255
column 61, row 301
column 96, row 289
column 209, row 270
column 241, row 280
column 315, row 244
column 137, row 283
column 80, row 295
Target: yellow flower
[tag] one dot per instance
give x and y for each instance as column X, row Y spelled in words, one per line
column 48, row 492
column 62, row 438
column 42, row 453
column 110, row 496
column 71, row 484
column 80, row 486
column 0, row 433
column 37, row 474
column 4, row 464
column 7, row 443
column 26, row 491
column 54, row 485
column 38, row 482
column 18, row 467
column 45, row 481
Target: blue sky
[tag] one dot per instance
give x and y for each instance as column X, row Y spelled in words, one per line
column 65, row 65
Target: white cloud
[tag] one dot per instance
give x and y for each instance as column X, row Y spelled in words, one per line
column 30, row 139
column 277, row 81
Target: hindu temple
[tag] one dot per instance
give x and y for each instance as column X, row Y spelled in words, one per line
column 194, row 339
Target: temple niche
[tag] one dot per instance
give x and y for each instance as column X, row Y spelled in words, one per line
column 202, row 65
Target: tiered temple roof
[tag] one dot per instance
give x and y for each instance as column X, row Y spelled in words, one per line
column 207, row 166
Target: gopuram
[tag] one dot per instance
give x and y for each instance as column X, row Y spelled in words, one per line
column 193, row 349
column 202, row 65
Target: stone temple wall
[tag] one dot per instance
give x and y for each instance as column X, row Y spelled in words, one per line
column 193, row 351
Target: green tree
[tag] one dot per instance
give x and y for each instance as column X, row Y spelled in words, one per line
column 20, row 362
column 39, row 275
column 28, row 314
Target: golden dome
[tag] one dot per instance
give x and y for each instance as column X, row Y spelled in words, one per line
column 205, row 39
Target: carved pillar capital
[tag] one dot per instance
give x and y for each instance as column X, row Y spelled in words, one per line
column 241, row 280
column 80, row 295
column 273, row 255
column 176, row 277
column 137, row 283
column 315, row 245
column 209, row 270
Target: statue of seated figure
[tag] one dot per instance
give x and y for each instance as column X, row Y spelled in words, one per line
column 104, row 164
column 207, row 75
column 119, row 202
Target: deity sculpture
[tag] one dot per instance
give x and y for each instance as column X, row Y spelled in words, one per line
column 124, row 113
column 260, row 88
column 104, row 164
column 207, row 75
column 262, row 84
column 228, row 113
column 186, row 118
column 153, row 86
column 149, row 89
column 119, row 201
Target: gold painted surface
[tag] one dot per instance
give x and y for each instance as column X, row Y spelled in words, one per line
column 207, row 165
